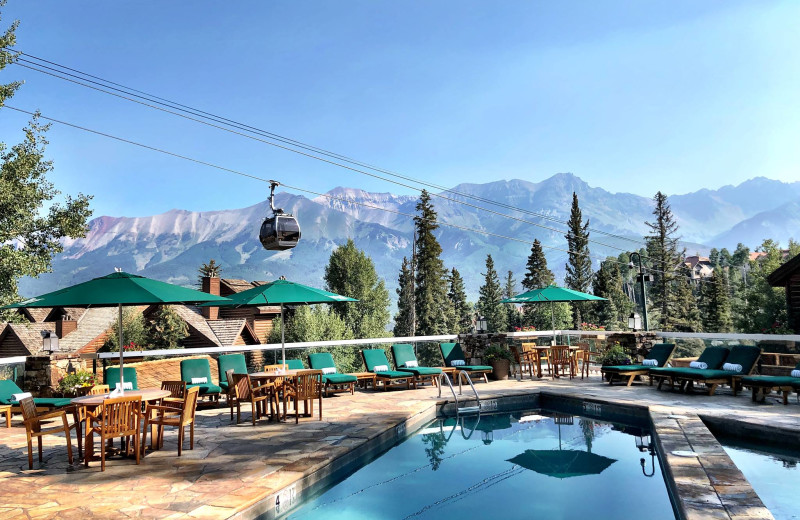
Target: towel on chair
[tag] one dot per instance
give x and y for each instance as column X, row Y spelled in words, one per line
column 329, row 370
column 732, row 367
column 795, row 373
column 698, row 364
column 650, row 363
column 21, row 396
column 411, row 364
column 458, row 363
column 381, row 368
column 199, row 380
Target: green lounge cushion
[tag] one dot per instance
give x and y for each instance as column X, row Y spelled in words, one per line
column 714, row 357
column 375, row 357
column 661, row 352
column 53, row 402
column 770, row 381
column 321, row 360
column 338, row 379
column 226, row 362
column 194, row 368
column 451, row 352
column 8, row 388
column 745, row 356
column 205, row 388
column 111, row 377
column 295, row 364
column 474, row 368
column 616, row 369
column 403, row 353
column 421, row 371
column 393, row 374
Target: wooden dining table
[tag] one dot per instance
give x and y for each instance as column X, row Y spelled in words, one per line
column 272, row 375
column 539, row 350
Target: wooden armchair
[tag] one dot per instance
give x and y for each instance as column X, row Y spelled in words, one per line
column 177, row 393
column 117, row 417
column 246, row 392
column 33, row 427
column 528, row 357
column 164, row 415
column 306, row 387
column 560, row 359
column 79, row 415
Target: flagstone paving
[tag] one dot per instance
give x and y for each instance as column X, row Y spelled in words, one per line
column 234, row 467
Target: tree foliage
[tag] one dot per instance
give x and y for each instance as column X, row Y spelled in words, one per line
column 134, row 330
column 513, row 318
column 31, row 227
column 490, row 294
column 350, row 272
column 403, row 320
column 579, row 264
column 208, row 270
column 462, row 310
column 166, row 328
column 608, row 283
column 430, row 296
column 538, row 276
column 715, row 303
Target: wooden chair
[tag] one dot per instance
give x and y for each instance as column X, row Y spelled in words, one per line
column 245, row 392
column 528, row 356
column 560, row 359
column 33, row 427
column 79, row 415
column 116, row 417
column 165, row 416
column 306, row 387
column 177, row 393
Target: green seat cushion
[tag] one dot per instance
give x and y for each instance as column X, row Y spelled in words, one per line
column 402, row 353
column 206, row 388
column 338, row 379
column 421, row 371
column 236, row 362
column 616, row 369
column 111, row 377
column 695, row 374
column 745, row 356
column 770, row 381
column 714, row 357
column 7, row 389
column 474, row 368
column 393, row 374
column 321, row 360
column 295, row 364
column 375, row 357
column 661, row 352
column 54, row 402
column 451, row 352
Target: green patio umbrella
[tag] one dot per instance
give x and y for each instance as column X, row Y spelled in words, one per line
column 115, row 290
column 552, row 293
column 281, row 292
column 562, row 463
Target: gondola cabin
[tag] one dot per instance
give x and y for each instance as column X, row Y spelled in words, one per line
column 279, row 232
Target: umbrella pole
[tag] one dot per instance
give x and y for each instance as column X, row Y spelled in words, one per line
column 283, row 340
column 553, row 315
column 121, row 362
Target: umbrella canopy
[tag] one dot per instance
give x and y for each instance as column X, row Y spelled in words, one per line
column 562, row 463
column 115, row 290
column 552, row 293
column 281, row 292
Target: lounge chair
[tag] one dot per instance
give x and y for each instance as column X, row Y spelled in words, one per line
column 660, row 353
column 745, row 356
column 451, row 352
column 761, row 385
column 332, row 381
column 403, row 354
column 197, row 373
column 228, row 361
column 295, row 364
column 376, row 362
column 9, row 388
column 111, row 378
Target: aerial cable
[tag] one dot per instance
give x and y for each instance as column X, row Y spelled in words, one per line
column 292, row 142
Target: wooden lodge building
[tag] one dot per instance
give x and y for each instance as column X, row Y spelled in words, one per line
column 788, row 276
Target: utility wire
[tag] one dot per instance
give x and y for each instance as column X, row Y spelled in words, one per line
column 297, row 188
column 292, row 142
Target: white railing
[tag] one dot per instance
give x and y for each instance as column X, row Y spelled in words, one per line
column 13, row 360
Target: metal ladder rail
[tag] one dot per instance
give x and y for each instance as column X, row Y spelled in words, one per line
column 444, row 376
column 459, row 409
column 462, row 374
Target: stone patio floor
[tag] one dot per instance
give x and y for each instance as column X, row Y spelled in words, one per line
column 233, row 466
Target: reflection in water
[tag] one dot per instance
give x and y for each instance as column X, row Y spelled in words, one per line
column 455, row 466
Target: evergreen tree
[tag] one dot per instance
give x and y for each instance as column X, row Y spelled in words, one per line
column 403, row 320
column 211, row 270
column 166, row 328
column 350, row 272
column 715, row 303
column 430, row 296
column 490, row 294
column 462, row 310
column 608, row 283
column 134, row 330
column 687, row 312
column 662, row 250
column 538, row 276
column 579, row 264
column 741, row 256
column 31, row 228
column 713, row 257
column 725, row 257
column 510, row 290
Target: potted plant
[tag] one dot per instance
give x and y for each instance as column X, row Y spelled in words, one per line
column 76, row 383
column 615, row 356
column 500, row 358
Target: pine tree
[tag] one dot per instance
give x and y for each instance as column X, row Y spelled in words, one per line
column 462, row 310
column 687, row 312
column 662, row 249
column 350, row 272
column 716, row 304
column 490, row 294
column 579, row 264
column 403, row 325
column 510, row 290
column 430, row 296
column 608, row 283
column 538, row 276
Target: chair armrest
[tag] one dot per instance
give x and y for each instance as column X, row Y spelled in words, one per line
column 50, row 415
column 159, row 407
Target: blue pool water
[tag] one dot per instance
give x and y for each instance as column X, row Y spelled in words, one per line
column 773, row 473
column 519, row 465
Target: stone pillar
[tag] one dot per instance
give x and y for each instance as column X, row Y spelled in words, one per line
column 42, row 373
column 474, row 345
column 635, row 344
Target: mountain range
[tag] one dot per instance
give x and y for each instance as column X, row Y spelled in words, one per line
column 171, row 246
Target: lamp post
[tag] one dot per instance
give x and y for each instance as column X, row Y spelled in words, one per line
column 641, row 277
column 480, row 324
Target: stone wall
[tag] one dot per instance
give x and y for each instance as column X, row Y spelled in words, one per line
column 42, row 373
column 474, row 345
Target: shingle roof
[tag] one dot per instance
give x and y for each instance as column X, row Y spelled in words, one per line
column 780, row 276
column 227, row 330
column 30, row 334
column 92, row 323
column 38, row 315
column 236, row 285
column 194, row 319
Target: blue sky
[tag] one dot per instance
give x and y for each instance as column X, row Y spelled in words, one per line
column 631, row 96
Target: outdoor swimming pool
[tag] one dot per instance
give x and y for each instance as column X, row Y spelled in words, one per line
column 518, row 465
column 773, row 473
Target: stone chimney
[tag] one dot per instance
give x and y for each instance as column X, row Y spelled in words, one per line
column 210, row 285
column 65, row 324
